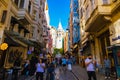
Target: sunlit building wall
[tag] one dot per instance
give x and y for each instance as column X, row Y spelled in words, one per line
column 66, row 42
column 97, row 17
column 23, row 23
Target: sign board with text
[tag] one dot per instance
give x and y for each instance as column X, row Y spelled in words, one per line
column 115, row 33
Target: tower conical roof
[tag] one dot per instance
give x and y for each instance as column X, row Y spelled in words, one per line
column 60, row 26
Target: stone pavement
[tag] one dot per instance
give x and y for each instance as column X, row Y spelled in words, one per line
column 77, row 73
column 82, row 74
column 67, row 75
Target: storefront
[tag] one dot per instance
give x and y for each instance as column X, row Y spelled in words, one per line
column 115, row 45
column 16, row 49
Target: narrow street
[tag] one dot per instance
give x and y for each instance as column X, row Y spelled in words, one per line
column 38, row 35
column 78, row 73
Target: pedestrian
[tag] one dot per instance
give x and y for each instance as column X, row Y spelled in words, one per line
column 107, row 65
column 26, row 68
column 47, row 68
column 33, row 62
column 69, row 64
column 16, row 68
column 54, row 62
column 40, row 69
column 74, row 60
column 51, row 71
column 90, row 66
column 64, row 62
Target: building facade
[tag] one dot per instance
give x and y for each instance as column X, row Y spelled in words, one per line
column 74, row 29
column 54, row 35
column 66, row 42
column 76, row 26
column 22, row 24
column 49, row 40
column 99, row 20
column 71, row 26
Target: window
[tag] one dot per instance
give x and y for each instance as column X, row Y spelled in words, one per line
column 34, row 14
column 92, row 4
column 4, row 16
column 41, row 2
column 29, row 7
column 105, row 1
column 17, row 2
column 21, row 3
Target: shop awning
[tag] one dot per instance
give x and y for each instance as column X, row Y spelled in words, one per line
column 16, row 36
column 26, row 41
column 37, row 44
column 11, row 41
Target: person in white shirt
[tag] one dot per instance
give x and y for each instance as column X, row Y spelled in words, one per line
column 90, row 66
column 40, row 69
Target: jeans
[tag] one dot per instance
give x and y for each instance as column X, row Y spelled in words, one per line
column 39, row 75
column 91, row 74
column 107, row 72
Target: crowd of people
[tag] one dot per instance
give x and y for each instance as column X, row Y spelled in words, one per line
column 91, row 65
column 51, row 67
column 37, row 66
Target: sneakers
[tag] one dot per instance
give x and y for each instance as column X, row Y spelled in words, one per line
column 105, row 77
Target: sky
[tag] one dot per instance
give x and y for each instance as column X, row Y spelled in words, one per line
column 59, row 10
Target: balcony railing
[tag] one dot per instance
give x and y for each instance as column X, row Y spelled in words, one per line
column 99, row 16
column 21, row 12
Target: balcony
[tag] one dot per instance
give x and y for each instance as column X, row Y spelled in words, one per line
column 44, row 34
column 76, row 19
column 98, row 18
column 22, row 13
column 24, row 16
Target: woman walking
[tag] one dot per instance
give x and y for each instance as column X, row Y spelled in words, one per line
column 40, row 70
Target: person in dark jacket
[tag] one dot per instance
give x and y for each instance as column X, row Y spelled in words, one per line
column 26, row 68
column 16, row 68
column 33, row 63
column 51, row 70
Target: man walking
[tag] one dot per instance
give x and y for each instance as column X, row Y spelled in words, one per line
column 107, row 65
column 90, row 66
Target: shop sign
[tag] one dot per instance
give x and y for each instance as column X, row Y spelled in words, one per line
column 115, row 33
column 116, row 38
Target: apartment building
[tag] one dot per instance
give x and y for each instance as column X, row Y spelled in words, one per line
column 66, row 42
column 99, row 20
column 22, row 29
